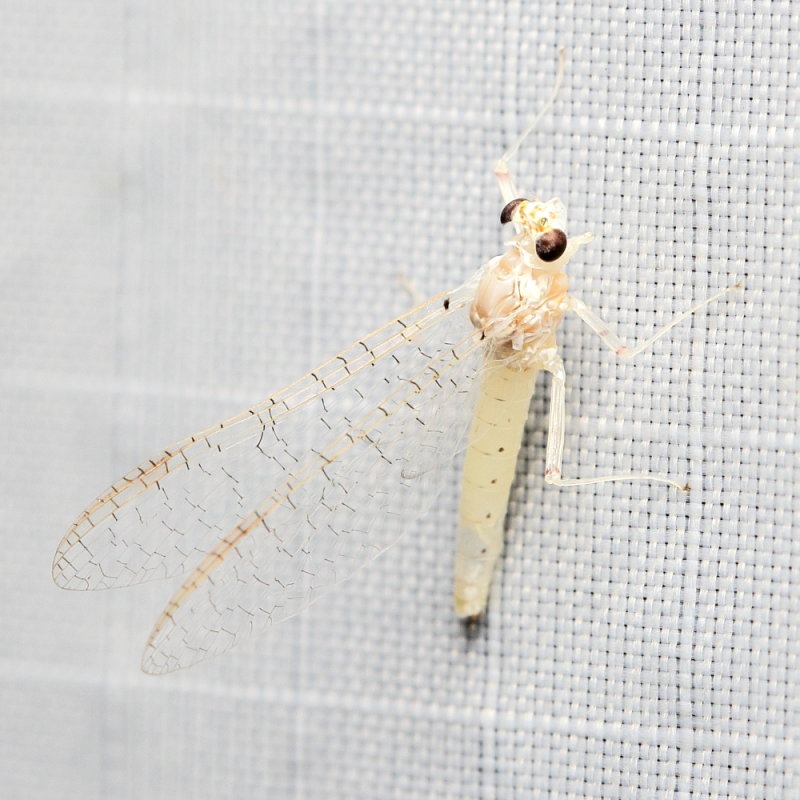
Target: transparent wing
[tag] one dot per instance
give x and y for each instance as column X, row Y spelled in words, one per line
column 163, row 516
column 350, row 441
column 337, row 508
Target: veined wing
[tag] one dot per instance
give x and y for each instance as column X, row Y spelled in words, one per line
column 337, row 508
column 163, row 516
column 351, row 441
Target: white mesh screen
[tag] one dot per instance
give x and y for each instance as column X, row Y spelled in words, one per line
column 201, row 200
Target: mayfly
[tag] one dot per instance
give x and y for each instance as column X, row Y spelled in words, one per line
column 269, row 509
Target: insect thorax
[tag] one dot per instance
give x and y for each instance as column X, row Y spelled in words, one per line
column 518, row 306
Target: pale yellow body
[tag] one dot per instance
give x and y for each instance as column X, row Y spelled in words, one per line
column 489, row 468
column 518, row 305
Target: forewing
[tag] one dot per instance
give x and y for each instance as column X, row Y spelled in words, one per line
column 169, row 512
column 355, row 493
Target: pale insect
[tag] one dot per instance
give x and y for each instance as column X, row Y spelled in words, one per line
column 272, row 507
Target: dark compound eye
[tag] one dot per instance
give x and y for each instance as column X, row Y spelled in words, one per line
column 508, row 211
column 551, row 245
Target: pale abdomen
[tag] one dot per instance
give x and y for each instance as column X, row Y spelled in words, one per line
column 489, row 468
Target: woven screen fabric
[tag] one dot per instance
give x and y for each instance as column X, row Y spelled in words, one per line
column 199, row 201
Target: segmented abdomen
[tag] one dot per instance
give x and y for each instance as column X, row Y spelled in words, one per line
column 489, row 467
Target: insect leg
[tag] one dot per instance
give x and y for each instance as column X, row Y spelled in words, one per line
column 505, row 181
column 612, row 341
column 555, row 445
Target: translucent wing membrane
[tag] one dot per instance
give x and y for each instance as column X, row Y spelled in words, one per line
column 290, row 497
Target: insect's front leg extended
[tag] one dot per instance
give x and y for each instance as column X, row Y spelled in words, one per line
column 612, row 341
